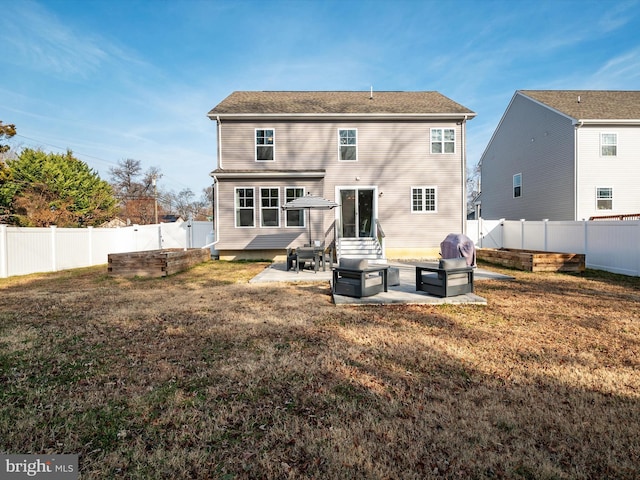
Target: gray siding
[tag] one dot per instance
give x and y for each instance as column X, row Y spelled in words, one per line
column 539, row 143
column 392, row 157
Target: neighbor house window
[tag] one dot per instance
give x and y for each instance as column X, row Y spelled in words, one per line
column 348, row 144
column 517, row 185
column 294, row 218
column 270, row 207
column 609, row 144
column 245, row 214
column 604, row 198
column 443, row 140
column 265, row 142
column 423, row 199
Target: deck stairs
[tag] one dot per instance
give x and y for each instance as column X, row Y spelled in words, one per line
column 364, row 247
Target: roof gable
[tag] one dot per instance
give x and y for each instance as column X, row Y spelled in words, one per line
column 590, row 104
column 339, row 103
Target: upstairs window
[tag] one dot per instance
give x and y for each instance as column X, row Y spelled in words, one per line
column 265, row 142
column 608, row 144
column 245, row 215
column 443, row 140
column 270, row 207
column 348, row 144
column 423, row 199
column 604, row 198
column 294, row 218
column 517, row 185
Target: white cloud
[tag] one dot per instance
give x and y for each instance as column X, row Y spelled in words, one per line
column 35, row 38
column 621, row 72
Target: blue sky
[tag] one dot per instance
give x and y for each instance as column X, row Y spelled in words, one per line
column 117, row 79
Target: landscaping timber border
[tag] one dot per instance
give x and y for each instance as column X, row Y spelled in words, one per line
column 156, row 263
column 532, row 260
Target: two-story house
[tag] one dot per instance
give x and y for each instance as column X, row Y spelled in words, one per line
column 394, row 162
column 564, row 155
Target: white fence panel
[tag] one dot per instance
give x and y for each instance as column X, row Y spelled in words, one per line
column 72, row 248
column 491, row 233
column 533, row 235
column 614, row 246
column 174, row 235
column 566, row 237
column 511, row 234
column 485, row 233
column 146, row 237
column 105, row 241
column 29, row 250
column 201, row 234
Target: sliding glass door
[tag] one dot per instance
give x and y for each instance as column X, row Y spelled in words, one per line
column 357, row 212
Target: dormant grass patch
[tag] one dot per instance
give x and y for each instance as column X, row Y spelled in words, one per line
column 202, row 375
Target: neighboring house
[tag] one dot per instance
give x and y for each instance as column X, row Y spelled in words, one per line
column 564, row 155
column 393, row 161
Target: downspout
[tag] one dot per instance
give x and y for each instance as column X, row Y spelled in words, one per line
column 575, row 169
column 218, row 140
column 464, row 174
column 216, row 216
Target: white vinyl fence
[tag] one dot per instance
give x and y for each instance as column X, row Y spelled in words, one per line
column 613, row 245
column 33, row 250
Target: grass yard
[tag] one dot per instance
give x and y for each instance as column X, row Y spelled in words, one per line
column 202, row 375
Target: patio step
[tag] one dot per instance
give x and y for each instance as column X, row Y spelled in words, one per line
column 365, row 247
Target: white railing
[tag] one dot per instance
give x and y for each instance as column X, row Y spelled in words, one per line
column 33, row 250
column 611, row 245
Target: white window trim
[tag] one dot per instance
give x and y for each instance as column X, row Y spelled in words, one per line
column 236, row 207
column 455, row 147
column 304, row 213
column 513, row 186
column 255, row 144
column 278, row 209
column 597, row 198
column 423, row 188
column 602, row 134
column 356, row 145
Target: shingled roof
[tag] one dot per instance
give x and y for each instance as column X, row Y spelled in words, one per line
column 339, row 103
column 590, row 104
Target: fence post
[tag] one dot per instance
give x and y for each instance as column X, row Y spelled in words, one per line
column 4, row 252
column 638, row 250
column 585, row 223
column 90, row 233
column 53, row 249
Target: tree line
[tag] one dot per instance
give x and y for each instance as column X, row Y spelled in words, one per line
column 40, row 189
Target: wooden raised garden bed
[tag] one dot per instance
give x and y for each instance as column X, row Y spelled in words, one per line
column 156, row 263
column 532, row 260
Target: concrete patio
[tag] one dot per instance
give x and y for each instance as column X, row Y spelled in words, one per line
column 405, row 293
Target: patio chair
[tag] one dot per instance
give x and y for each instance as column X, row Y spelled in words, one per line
column 356, row 278
column 450, row 278
column 307, row 254
column 292, row 259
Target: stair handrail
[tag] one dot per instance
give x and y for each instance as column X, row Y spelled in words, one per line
column 332, row 235
column 381, row 237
